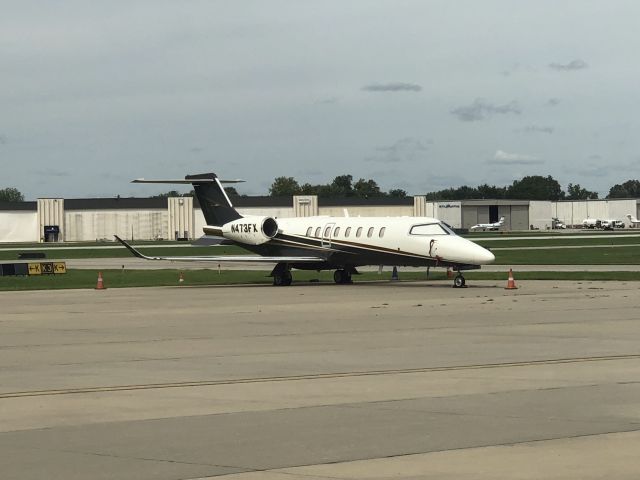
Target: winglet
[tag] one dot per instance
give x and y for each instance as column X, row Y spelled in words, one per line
column 133, row 250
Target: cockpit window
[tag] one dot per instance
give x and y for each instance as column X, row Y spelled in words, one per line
column 429, row 229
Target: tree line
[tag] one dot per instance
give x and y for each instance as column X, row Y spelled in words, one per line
column 341, row 186
column 534, row 187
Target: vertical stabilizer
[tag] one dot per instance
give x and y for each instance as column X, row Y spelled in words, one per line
column 214, row 202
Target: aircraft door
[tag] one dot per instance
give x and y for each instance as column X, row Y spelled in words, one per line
column 327, row 231
column 433, row 248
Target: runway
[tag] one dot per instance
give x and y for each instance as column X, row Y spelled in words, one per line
column 401, row 380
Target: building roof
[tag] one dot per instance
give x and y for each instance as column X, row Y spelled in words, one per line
column 485, row 202
column 115, row 203
column 363, row 202
column 257, row 201
column 23, row 206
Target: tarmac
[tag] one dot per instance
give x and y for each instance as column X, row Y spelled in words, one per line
column 378, row 380
column 132, row 263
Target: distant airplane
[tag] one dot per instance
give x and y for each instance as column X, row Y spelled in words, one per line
column 633, row 220
column 489, row 226
column 327, row 243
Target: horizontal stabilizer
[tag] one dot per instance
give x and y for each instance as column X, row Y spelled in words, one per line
column 187, row 182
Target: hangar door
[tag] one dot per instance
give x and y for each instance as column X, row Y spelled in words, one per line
column 519, row 217
column 469, row 216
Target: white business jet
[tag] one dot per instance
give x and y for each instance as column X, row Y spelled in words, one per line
column 489, row 226
column 327, row 243
column 633, row 220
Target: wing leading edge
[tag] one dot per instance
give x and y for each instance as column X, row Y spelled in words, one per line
column 219, row 258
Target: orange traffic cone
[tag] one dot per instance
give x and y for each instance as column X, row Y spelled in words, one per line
column 511, row 283
column 181, row 278
column 449, row 273
column 100, row 284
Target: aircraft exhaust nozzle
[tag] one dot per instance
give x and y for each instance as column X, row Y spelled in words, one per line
column 251, row 230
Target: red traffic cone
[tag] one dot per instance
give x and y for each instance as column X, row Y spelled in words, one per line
column 511, row 283
column 100, row 284
column 449, row 273
column 181, row 278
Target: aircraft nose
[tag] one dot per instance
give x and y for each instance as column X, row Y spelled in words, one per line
column 484, row 256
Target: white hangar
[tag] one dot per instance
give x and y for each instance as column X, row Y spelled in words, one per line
column 96, row 219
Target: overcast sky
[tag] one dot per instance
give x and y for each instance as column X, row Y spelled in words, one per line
column 420, row 95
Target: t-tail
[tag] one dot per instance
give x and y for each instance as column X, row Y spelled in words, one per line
column 214, row 201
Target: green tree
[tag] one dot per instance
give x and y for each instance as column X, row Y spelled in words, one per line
column 397, row 193
column 341, row 186
column 576, row 192
column 11, row 194
column 367, row 189
column 491, row 191
column 629, row 189
column 284, row 187
column 536, row 187
column 170, row 193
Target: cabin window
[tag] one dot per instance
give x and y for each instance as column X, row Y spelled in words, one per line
column 359, row 232
column 381, row 234
column 336, row 231
column 428, row 229
column 347, row 232
column 318, row 232
column 370, row 232
column 309, row 231
column 327, row 231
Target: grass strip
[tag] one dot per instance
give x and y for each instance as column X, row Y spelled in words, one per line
column 570, row 256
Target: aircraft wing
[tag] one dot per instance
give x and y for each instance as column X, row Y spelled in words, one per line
column 220, row 258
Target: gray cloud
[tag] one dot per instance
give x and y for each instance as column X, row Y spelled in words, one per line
column 327, row 101
column 392, row 87
column 481, row 109
column 405, row 149
column 552, row 102
column 51, row 172
column 536, row 129
column 576, row 64
column 505, row 158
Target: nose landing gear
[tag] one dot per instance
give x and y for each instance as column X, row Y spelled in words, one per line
column 459, row 281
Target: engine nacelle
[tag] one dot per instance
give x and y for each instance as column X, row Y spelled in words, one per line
column 251, row 230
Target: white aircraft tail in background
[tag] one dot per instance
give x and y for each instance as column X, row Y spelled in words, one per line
column 489, row 226
column 633, row 220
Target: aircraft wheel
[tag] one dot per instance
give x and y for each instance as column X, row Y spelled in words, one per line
column 340, row 276
column 282, row 279
column 459, row 282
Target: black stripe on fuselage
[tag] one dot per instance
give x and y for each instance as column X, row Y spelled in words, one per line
column 349, row 253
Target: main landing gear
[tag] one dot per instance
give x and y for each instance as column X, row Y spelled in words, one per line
column 282, row 280
column 342, row 276
column 282, row 275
